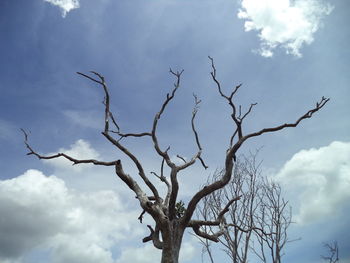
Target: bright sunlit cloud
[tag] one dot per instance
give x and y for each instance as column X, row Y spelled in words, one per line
column 65, row 5
column 283, row 23
column 79, row 150
column 320, row 179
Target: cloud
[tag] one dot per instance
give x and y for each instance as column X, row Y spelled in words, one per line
column 321, row 180
column 145, row 254
column 65, row 5
column 149, row 254
column 84, row 118
column 40, row 212
column 283, row 23
column 79, row 150
column 187, row 251
column 7, row 130
column 86, row 177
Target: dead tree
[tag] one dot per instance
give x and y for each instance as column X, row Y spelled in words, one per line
column 333, row 251
column 168, row 229
column 274, row 216
column 239, row 221
column 257, row 223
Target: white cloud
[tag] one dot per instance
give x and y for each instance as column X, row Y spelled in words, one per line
column 65, row 5
column 320, row 178
column 79, row 150
column 187, row 251
column 283, row 23
column 40, row 212
column 87, row 177
column 150, row 254
column 145, row 254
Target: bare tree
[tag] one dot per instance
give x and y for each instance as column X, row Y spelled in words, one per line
column 239, row 221
column 260, row 217
column 169, row 228
column 274, row 216
column 333, row 251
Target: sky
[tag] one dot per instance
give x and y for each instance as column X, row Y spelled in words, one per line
column 288, row 54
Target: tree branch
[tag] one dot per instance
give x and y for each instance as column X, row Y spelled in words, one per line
column 237, row 120
column 231, row 153
column 194, row 113
column 212, row 237
column 220, row 220
column 124, row 135
column 108, row 114
column 319, row 105
column 154, row 236
column 69, row 158
column 169, row 97
column 164, row 179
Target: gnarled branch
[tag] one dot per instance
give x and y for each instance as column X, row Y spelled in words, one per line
column 154, row 237
column 115, row 142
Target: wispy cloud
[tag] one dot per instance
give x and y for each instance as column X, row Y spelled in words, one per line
column 88, row 119
column 320, row 178
column 7, row 130
column 283, row 23
column 65, row 5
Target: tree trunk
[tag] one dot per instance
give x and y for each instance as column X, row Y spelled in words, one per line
column 171, row 254
column 172, row 234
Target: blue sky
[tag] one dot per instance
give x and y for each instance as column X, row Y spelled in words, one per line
column 287, row 54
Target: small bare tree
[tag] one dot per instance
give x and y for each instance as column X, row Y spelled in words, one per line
column 169, row 226
column 239, row 221
column 274, row 216
column 333, row 250
column 260, row 217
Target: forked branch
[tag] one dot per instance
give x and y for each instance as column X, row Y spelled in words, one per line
column 307, row 115
column 220, row 221
column 169, row 97
column 154, row 236
column 234, row 147
column 108, row 116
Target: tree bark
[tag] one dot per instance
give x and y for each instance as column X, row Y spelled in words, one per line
column 172, row 234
